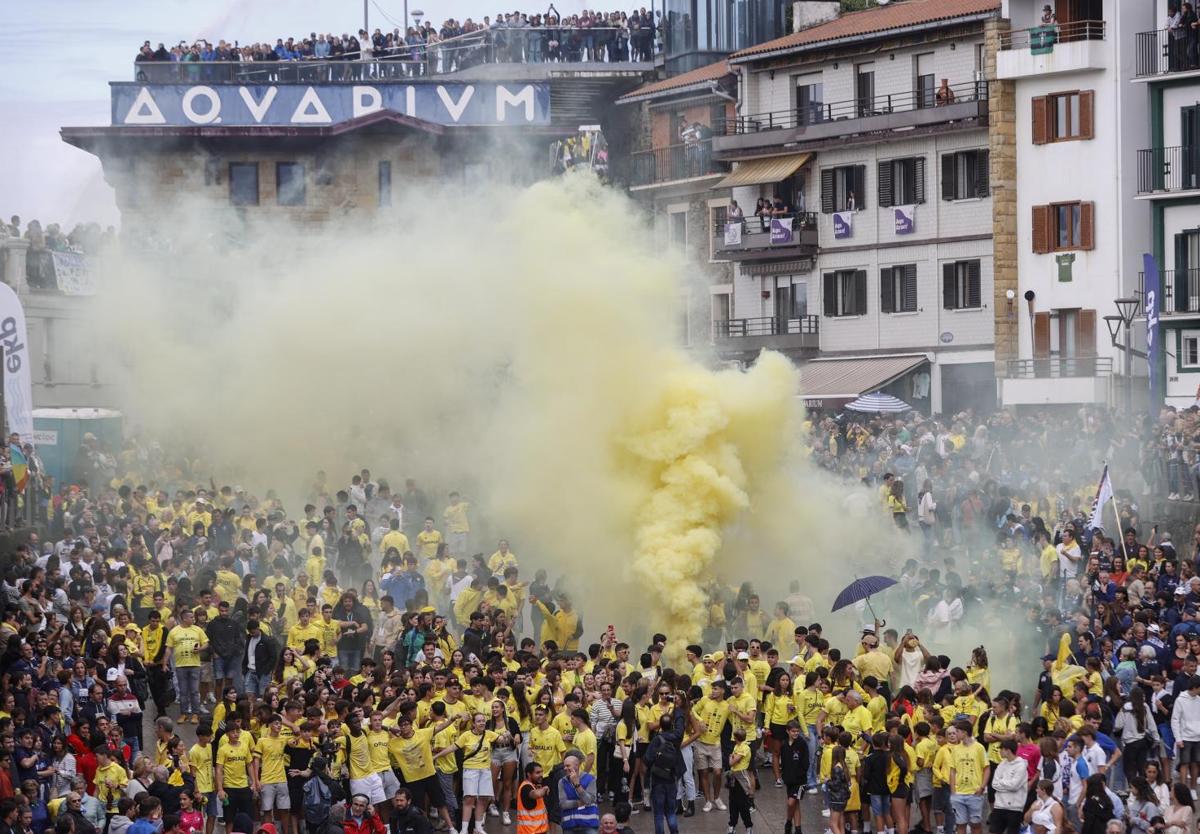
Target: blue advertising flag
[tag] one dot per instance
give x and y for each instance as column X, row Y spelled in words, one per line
column 1153, row 292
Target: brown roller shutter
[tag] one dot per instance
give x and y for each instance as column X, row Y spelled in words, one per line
column 1041, row 120
column 1085, row 333
column 1041, row 335
column 1087, row 232
column 1087, row 109
column 1041, row 229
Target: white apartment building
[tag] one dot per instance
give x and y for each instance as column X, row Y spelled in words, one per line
column 1079, row 124
column 872, row 130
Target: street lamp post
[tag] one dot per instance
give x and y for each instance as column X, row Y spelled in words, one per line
column 1127, row 309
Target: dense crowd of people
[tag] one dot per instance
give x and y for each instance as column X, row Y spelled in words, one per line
column 364, row 663
column 421, row 49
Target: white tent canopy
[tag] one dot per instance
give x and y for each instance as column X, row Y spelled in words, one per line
column 879, row 403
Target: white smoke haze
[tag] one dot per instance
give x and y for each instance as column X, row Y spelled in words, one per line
column 522, row 349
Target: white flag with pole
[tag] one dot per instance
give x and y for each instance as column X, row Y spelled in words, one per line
column 1104, row 494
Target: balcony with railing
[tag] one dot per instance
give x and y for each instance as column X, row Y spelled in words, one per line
column 872, row 114
column 1056, row 380
column 766, row 238
column 674, row 163
column 768, row 332
column 1180, row 294
column 1164, row 52
column 1055, row 48
column 1164, row 172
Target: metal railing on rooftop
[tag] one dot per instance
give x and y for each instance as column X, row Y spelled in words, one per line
column 529, row 45
column 1043, row 38
column 859, row 107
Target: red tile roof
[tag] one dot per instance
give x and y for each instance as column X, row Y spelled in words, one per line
column 712, row 72
column 896, row 15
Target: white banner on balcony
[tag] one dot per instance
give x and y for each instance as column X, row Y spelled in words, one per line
column 733, row 234
column 18, row 385
column 74, row 273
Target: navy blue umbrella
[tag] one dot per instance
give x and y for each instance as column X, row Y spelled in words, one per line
column 862, row 589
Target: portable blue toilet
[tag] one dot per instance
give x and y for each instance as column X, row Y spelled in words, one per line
column 58, row 434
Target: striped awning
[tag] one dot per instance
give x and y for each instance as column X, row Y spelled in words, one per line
column 763, row 171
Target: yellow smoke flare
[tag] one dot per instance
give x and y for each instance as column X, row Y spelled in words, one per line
column 711, row 440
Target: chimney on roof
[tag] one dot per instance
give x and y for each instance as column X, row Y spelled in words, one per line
column 807, row 13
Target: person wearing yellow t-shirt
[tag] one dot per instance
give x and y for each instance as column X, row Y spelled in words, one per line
column 354, row 755
column 379, row 738
column 1000, row 725
column 411, row 750
column 232, row 770
column 712, row 712
column 184, row 643
column 304, row 630
column 458, row 526
column 781, row 631
column 741, row 789
column 476, row 746
column 200, row 759
column 584, row 740
column 269, row 774
column 857, row 721
column 502, row 559
column 969, row 772
column 546, row 745
column 428, row 540
column 110, row 779
column 393, row 539
column 314, row 566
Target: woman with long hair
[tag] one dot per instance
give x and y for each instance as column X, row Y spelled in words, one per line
column 505, row 760
column 1142, row 807
column 1180, row 815
column 1158, row 783
column 1097, row 807
column 896, row 504
column 1045, row 814
column 780, row 708
column 627, row 741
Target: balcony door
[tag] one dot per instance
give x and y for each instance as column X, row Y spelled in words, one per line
column 810, row 98
column 924, row 83
column 791, row 304
column 864, row 88
column 1186, row 288
column 1189, row 141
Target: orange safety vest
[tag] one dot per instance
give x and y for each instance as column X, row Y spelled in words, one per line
column 533, row 821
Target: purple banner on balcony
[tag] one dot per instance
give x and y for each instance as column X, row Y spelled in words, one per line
column 1153, row 290
column 843, row 224
column 906, row 219
column 781, row 231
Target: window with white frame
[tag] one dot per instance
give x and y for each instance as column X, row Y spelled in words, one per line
column 1189, row 355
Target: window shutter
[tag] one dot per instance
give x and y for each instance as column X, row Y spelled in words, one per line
column 983, row 187
column 1180, row 284
column 887, row 295
column 1041, row 120
column 947, row 176
column 860, row 192
column 829, row 300
column 1041, row 229
column 827, row 191
column 974, row 295
column 919, row 168
column 885, row 184
column 949, row 296
column 860, row 286
column 1087, row 109
column 1085, row 333
column 1087, row 236
column 909, row 298
column 1041, row 335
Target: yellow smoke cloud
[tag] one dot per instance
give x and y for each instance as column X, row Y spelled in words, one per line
column 697, row 454
column 520, row 347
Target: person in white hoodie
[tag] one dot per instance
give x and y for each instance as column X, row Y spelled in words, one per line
column 1185, row 725
column 1010, row 782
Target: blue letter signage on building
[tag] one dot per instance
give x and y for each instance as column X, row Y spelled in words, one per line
column 315, row 105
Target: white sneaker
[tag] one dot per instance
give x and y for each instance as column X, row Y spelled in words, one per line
column 479, row 828
column 824, row 812
column 1174, row 496
column 505, row 818
column 493, row 810
column 707, row 807
column 812, row 791
column 720, row 805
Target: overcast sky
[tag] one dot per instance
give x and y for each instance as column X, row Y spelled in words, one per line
column 57, row 57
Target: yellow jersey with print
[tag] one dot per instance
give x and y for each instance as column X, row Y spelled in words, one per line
column 546, row 747
column 446, row 738
column 234, row 761
column 414, row 756
column 712, row 715
column 427, row 543
column 967, row 764
column 269, row 752
column 456, row 520
column 380, row 753
column 186, row 643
